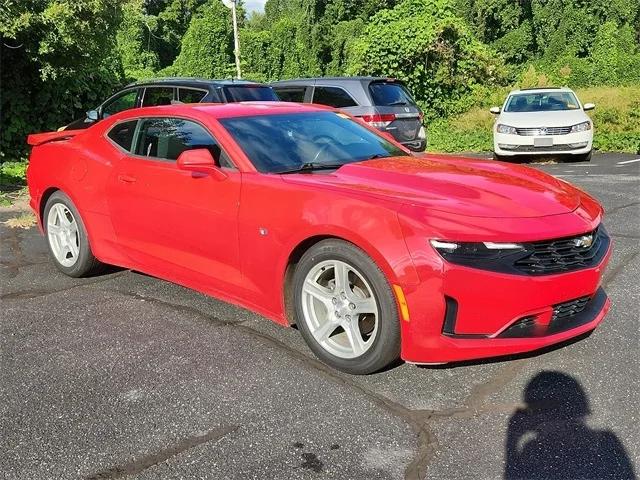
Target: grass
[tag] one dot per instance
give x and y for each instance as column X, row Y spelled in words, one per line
column 25, row 221
column 12, row 179
column 12, row 174
column 616, row 120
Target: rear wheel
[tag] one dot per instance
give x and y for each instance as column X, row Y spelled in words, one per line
column 67, row 238
column 345, row 308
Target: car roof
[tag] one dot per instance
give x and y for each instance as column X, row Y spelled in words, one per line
column 192, row 81
column 541, row 90
column 223, row 110
column 335, row 80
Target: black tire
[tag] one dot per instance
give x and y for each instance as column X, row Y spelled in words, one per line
column 498, row 158
column 86, row 263
column 586, row 157
column 385, row 348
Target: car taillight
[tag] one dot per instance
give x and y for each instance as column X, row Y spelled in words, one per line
column 378, row 120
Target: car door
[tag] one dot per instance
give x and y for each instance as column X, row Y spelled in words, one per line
column 175, row 223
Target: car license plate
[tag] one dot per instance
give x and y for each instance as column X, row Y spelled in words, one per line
column 543, row 142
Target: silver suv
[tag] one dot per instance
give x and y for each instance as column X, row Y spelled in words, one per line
column 384, row 103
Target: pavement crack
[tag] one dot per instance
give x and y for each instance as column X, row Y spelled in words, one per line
column 41, row 293
column 621, row 207
column 426, row 440
column 612, row 274
column 624, row 235
column 177, row 307
column 136, row 466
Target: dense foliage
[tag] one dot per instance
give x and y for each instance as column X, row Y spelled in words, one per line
column 57, row 58
column 61, row 57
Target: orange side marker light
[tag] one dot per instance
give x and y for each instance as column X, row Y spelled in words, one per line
column 402, row 302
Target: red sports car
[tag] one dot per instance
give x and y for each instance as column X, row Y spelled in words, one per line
column 308, row 216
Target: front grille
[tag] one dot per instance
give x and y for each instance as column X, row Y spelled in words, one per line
column 569, row 309
column 555, row 148
column 565, row 316
column 564, row 254
column 542, row 131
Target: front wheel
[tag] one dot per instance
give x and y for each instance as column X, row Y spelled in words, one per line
column 585, row 157
column 67, row 238
column 345, row 308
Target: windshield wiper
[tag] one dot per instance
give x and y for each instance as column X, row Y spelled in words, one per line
column 312, row 166
column 399, row 102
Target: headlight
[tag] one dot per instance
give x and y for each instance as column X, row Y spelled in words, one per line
column 472, row 248
column 484, row 255
column 506, row 129
column 581, row 127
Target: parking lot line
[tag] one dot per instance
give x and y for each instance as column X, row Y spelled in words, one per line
column 629, row 161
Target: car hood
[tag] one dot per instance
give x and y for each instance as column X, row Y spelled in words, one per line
column 562, row 118
column 462, row 186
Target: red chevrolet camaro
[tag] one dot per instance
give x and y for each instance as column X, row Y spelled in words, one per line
column 308, row 216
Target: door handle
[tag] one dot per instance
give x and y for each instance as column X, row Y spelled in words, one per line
column 126, row 178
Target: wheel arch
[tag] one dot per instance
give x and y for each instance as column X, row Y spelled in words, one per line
column 43, row 202
column 305, row 244
column 46, row 195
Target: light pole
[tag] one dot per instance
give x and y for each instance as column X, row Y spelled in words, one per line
column 236, row 43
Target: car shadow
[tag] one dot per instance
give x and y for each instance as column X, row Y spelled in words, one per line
column 549, row 437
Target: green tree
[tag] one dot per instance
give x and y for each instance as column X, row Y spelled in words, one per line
column 57, row 60
column 207, row 46
column 427, row 45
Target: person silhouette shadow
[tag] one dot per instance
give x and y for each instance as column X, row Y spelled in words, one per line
column 549, row 439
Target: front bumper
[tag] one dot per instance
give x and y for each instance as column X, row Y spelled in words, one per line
column 578, row 143
column 488, row 308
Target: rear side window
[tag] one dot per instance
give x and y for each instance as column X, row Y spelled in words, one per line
column 190, row 95
column 333, row 96
column 250, row 93
column 122, row 134
column 122, row 102
column 291, row 94
column 167, row 138
column 390, row 94
column 157, row 96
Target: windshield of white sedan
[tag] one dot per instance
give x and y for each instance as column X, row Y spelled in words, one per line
column 306, row 141
column 542, row 102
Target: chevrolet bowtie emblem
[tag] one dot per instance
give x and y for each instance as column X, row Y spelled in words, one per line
column 584, row 241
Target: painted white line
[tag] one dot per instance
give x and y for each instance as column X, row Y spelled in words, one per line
column 629, row 161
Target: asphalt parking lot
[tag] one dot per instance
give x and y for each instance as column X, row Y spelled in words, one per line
column 127, row 375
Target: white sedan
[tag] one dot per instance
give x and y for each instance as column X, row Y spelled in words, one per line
column 546, row 121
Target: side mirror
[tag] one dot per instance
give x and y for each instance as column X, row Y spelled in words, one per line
column 93, row 115
column 199, row 160
column 495, row 110
column 588, row 106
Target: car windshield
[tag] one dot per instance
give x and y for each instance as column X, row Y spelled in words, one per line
column 386, row 94
column 287, row 142
column 541, row 102
column 250, row 93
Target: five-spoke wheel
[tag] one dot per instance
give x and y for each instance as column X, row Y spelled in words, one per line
column 62, row 231
column 67, row 237
column 345, row 308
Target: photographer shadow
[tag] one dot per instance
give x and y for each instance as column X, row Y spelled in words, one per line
column 550, row 439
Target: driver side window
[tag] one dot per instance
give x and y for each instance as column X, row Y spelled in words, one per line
column 166, row 138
